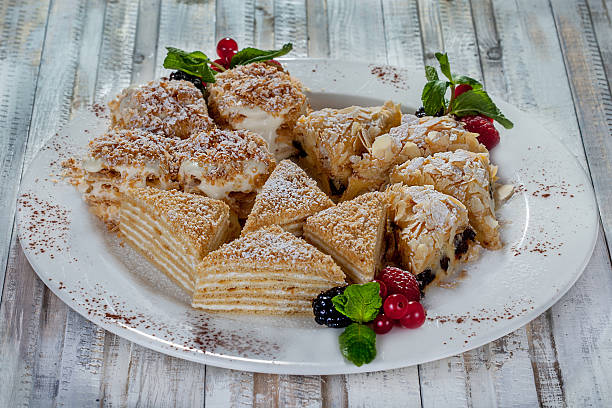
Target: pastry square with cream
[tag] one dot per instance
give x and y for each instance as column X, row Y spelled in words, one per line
column 353, row 234
column 260, row 97
column 228, row 165
column 415, row 137
column 287, row 198
column 335, row 139
column 119, row 160
column 175, row 230
column 432, row 231
column 467, row 176
column 172, row 108
column 265, row 271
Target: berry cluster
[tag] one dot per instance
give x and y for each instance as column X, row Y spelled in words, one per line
column 226, row 49
column 401, row 295
column 325, row 312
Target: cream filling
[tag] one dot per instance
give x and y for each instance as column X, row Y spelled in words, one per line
column 93, row 165
column 255, row 308
column 217, row 188
column 258, row 121
column 280, row 275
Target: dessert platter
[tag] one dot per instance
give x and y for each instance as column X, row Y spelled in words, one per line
column 306, row 216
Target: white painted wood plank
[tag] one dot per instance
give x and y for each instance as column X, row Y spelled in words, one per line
column 403, row 34
column 317, row 28
column 356, row 30
column 393, row 388
column 186, row 25
column 290, row 26
column 264, row 24
column 448, row 376
column 145, row 43
column 236, row 19
column 116, row 368
column 20, row 53
column 581, row 328
column 228, row 388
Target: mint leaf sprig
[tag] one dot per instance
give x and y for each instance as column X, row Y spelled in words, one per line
column 198, row 64
column 473, row 102
column 361, row 303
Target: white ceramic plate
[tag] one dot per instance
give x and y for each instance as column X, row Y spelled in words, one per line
column 549, row 231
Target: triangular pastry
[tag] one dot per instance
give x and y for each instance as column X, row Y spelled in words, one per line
column 352, row 233
column 265, row 271
column 432, row 231
column 286, row 199
column 175, row 230
column 334, row 138
column 415, row 137
column 468, row 177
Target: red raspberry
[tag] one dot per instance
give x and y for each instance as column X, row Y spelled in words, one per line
column 488, row 135
column 461, row 88
column 402, row 282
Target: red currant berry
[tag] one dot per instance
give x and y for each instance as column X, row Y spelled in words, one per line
column 395, row 306
column 383, row 288
column 382, row 324
column 226, row 48
column 414, row 317
column 221, row 62
column 275, row 62
column 488, row 135
column 461, row 88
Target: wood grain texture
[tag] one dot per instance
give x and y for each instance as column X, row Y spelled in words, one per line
column 318, row 29
column 20, row 54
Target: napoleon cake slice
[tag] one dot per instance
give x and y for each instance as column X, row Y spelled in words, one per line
column 415, row 137
column 228, row 165
column 432, row 231
column 353, row 234
column 287, row 198
column 172, row 108
column 119, row 160
column 334, row 139
column 262, row 98
column 175, row 230
column 467, row 176
column 265, row 271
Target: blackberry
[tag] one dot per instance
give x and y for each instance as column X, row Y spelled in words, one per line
column 180, row 75
column 421, row 112
column 325, row 312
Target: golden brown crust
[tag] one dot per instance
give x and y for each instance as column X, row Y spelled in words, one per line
column 173, row 108
column 352, row 231
column 287, row 197
column 468, row 177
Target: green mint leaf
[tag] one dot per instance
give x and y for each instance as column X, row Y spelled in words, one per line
column 193, row 63
column 360, row 303
column 476, row 102
column 358, row 344
column 250, row 55
column 444, row 65
column 430, row 73
column 433, row 96
column 464, row 79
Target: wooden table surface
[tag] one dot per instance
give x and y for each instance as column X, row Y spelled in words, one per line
column 552, row 58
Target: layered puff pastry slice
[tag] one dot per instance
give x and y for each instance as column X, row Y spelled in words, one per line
column 467, row 176
column 415, row 137
column 265, row 271
column 287, row 198
column 175, row 230
column 175, row 109
column 117, row 161
column 228, row 165
column 353, row 234
column 260, row 97
column 432, row 231
column 335, row 139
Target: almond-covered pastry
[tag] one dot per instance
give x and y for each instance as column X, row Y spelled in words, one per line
column 265, row 271
column 335, row 139
column 119, row 160
column 172, row 108
column 415, row 137
column 467, row 176
column 287, row 198
column 229, row 165
column 433, row 232
column 175, row 230
column 353, row 234
column 262, row 98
